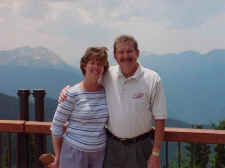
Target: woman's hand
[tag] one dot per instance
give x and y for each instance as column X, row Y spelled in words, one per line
column 54, row 164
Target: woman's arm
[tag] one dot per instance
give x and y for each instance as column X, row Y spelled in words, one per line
column 61, row 116
column 57, row 145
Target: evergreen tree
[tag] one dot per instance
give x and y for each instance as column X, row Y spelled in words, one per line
column 184, row 162
column 219, row 148
column 197, row 154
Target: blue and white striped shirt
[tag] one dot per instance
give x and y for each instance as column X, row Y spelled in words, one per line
column 86, row 114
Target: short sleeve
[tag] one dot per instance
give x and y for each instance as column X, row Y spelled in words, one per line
column 158, row 101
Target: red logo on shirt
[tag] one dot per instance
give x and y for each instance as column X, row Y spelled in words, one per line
column 138, row 95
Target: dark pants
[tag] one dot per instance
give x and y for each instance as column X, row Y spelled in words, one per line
column 130, row 155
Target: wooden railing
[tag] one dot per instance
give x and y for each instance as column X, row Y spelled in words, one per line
column 23, row 127
column 207, row 136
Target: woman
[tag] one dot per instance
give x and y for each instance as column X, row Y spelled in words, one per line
column 85, row 112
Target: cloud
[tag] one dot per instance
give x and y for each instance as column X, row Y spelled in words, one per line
column 69, row 26
column 191, row 13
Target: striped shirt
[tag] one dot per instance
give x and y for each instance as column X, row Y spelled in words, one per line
column 86, row 114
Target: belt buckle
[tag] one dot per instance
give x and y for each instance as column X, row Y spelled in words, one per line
column 124, row 141
column 128, row 140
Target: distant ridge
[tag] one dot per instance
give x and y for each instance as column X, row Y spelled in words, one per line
column 39, row 67
column 194, row 82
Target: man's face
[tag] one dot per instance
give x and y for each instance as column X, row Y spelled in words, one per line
column 126, row 56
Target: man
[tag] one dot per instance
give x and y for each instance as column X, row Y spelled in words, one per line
column 135, row 98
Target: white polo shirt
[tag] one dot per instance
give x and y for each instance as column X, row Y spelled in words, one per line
column 133, row 102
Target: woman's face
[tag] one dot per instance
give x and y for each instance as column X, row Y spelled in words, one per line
column 94, row 68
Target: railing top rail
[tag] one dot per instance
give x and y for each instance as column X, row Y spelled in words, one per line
column 37, row 127
column 209, row 136
column 12, row 126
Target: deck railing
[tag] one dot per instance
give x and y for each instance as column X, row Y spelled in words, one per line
column 206, row 136
column 23, row 128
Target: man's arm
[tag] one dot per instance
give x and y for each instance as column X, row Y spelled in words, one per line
column 159, row 114
column 154, row 158
column 159, row 135
column 62, row 95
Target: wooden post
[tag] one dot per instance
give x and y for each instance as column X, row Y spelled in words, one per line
column 40, row 139
column 22, row 139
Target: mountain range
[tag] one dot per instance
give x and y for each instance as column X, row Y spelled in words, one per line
column 193, row 82
column 38, row 57
column 30, row 68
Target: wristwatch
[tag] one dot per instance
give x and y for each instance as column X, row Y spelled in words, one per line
column 154, row 153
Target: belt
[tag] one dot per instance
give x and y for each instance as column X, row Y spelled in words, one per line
column 139, row 138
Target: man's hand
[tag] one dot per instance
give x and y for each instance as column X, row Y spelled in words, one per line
column 153, row 162
column 154, row 159
column 62, row 95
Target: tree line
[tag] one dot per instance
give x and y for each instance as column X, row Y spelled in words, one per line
column 198, row 155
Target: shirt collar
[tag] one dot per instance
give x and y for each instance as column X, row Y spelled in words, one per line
column 139, row 72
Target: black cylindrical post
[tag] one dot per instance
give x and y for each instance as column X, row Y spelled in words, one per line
column 24, row 104
column 40, row 139
column 39, row 104
column 22, row 139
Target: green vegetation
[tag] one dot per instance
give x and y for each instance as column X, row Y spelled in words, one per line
column 218, row 158
column 198, row 155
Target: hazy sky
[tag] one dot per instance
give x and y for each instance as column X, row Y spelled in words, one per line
column 68, row 27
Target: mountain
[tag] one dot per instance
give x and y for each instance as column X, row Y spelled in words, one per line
column 38, row 57
column 10, row 108
column 194, row 84
column 30, row 68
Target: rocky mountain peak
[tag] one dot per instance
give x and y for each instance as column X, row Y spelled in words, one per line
column 28, row 56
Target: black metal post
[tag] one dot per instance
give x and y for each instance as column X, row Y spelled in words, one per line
column 22, row 139
column 192, row 154
column 9, row 150
column 219, row 164
column 179, row 155
column 1, row 149
column 167, row 159
column 40, row 139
